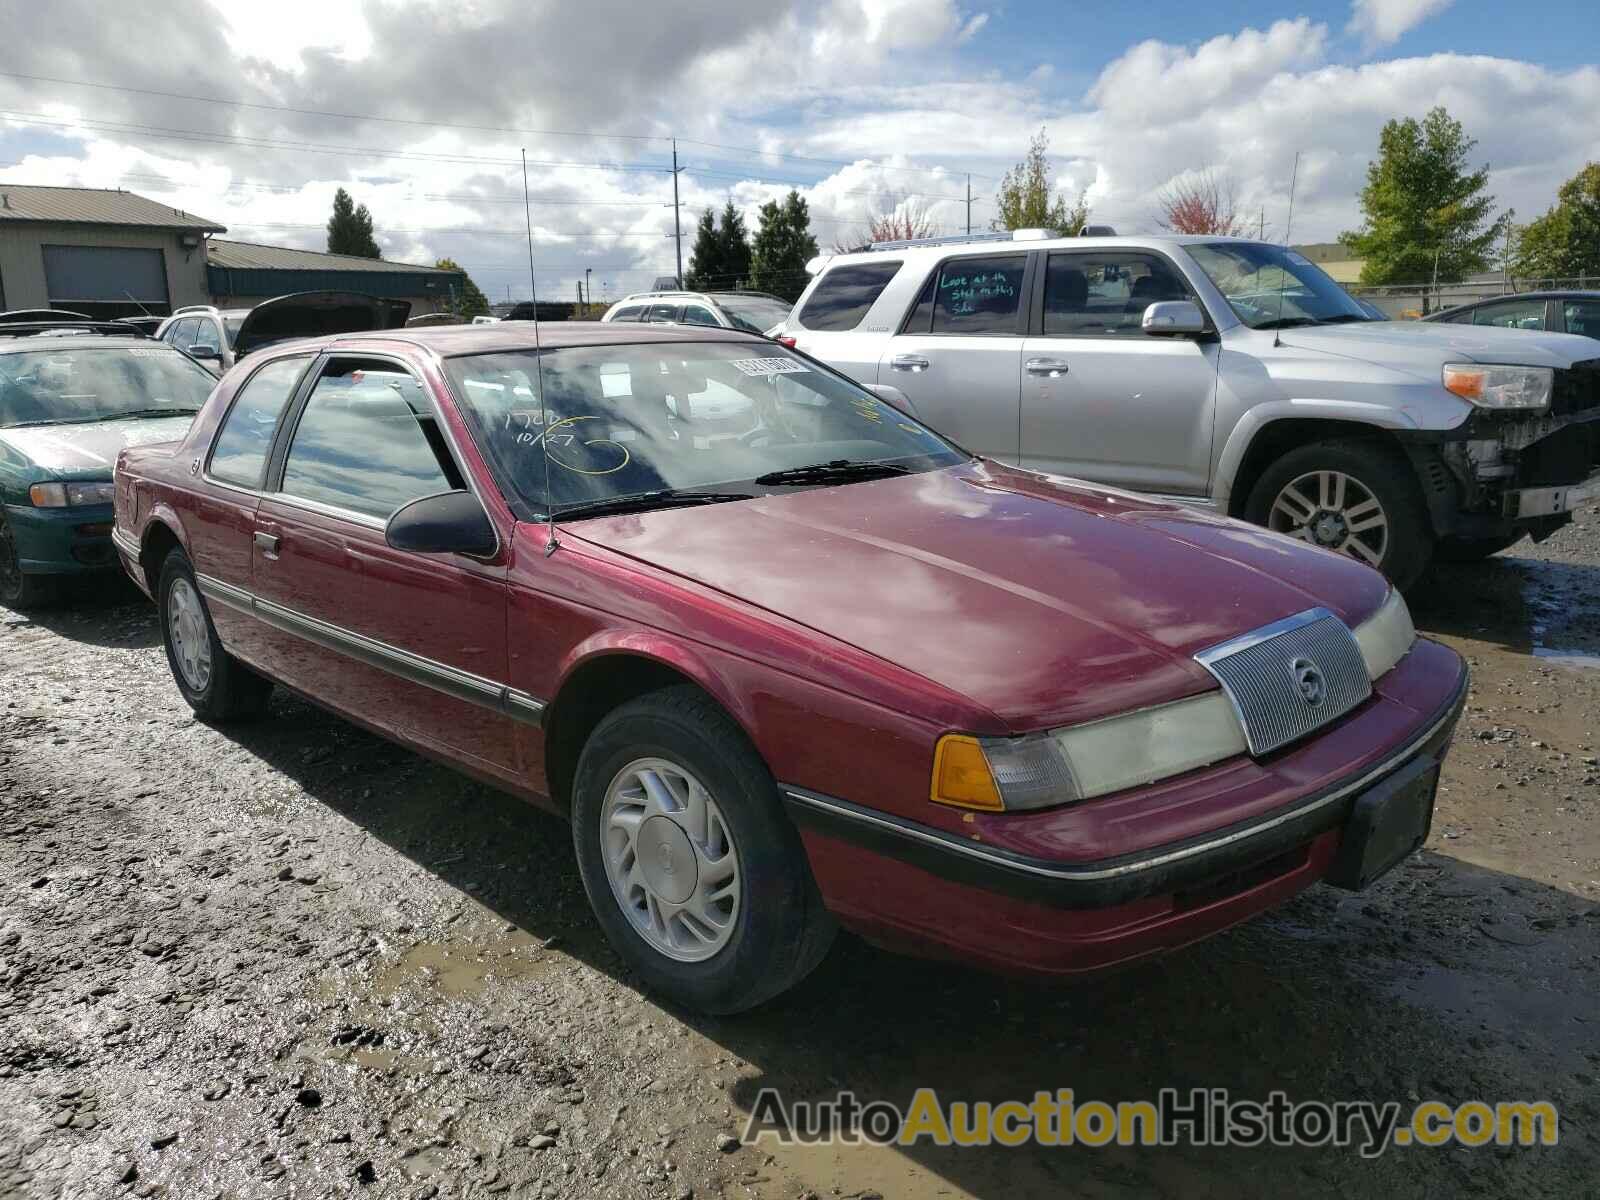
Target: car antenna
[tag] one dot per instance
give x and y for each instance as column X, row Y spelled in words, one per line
column 142, row 308
column 1283, row 272
column 538, row 364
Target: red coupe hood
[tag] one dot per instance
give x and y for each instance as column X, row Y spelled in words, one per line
column 1043, row 600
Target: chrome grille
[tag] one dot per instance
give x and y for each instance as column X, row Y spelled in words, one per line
column 1290, row 678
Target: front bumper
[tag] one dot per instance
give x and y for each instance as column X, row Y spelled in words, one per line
column 1524, row 503
column 62, row 541
column 932, row 891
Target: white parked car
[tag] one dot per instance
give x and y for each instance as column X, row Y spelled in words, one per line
column 205, row 333
column 753, row 312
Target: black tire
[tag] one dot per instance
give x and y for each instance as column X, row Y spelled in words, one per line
column 1471, row 550
column 23, row 592
column 780, row 929
column 1386, row 476
column 232, row 691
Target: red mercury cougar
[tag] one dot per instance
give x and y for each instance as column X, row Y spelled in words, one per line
column 786, row 658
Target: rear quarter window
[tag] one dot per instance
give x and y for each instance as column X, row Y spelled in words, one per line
column 843, row 295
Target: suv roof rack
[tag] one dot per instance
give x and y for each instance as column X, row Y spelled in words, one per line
column 967, row 239
column 194, row 308
column 31, row 328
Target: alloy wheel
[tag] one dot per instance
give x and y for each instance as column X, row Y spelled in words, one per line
column 191, row 641
column 671, row 859
column 1335, row 511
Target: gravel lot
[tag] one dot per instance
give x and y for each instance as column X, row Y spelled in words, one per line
column 290, row 959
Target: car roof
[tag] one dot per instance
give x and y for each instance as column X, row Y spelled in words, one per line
column 68, row 341
column 1004, row 244
column 512, row 336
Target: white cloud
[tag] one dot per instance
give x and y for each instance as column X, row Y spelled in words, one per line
column 1384, row 22
column 972, row 28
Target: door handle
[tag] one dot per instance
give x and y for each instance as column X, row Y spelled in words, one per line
column 1052, row 368
column 908, row 362
column 268, row 543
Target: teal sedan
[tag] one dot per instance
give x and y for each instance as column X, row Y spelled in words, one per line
column 69, row 403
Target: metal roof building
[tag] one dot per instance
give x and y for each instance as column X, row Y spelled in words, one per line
column 104, row 252
column 240, row 274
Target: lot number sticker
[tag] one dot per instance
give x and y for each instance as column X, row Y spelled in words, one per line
column 758, row 368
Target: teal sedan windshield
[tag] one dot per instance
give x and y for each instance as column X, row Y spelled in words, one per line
column 67, row 384
column 667, row 422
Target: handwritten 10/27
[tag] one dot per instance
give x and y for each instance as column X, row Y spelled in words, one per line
column 963, row 294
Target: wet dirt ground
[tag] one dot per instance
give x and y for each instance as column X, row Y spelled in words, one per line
column 290, row 959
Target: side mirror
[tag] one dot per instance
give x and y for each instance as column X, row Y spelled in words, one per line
column 446, row 523
column 1173, row 318
column 894, row 396
column 205, row 352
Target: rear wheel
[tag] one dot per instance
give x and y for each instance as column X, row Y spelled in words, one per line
column 215, row 684
column 1358, row 498
column 18, row 590
column 1471, row 550
column 693, row 869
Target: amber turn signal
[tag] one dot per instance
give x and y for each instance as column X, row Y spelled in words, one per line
column 961, row 775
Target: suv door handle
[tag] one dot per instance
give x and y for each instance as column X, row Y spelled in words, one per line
column 268, row 543
column 1054, row 368
column 908, row 362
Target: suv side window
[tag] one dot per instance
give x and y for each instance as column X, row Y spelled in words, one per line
column 630, row 313
column 1515, row 314
column 367, row 442
column 661, row 314
column 975, row 295
column 1104, row 293
column 182, row 332
column 205, row 334
column 695, row 314
column 1582, row 316
column 239, row 454
column 843, row 295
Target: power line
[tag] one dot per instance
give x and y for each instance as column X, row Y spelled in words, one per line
column 374, row 117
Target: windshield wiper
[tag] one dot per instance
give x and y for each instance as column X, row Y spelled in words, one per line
column 1285, row 323
column 1344, row 319
column 840, row 470
column 146, row 412
column 643, row 501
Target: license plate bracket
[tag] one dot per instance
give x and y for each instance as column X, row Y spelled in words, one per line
column 1388, row 821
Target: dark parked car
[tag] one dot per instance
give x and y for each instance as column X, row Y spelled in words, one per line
column 832, row 670
column 73, row 393
column 1555, row 312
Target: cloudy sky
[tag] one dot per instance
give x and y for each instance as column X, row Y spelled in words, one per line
column 251, row 114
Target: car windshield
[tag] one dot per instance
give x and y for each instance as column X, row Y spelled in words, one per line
column 1272, row 287
column 99, row 383
column 754, row 314
column 665, row 418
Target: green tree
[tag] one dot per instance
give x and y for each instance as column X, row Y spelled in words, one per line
column 467, row 301
column 350, row 228
column 1423, row 207
column 783, row 245
column 1024, row 198
column 1565, row 242
column 720, row 259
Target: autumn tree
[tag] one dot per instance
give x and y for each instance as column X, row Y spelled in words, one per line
column 466, row 301
column 1426, row 214
column 350, row 228
column 1025, row 197
column 906, row 222
column 1205, row 202
column 1565, row 242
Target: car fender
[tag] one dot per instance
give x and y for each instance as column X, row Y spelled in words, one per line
column 1255, row 419
column 687, row 658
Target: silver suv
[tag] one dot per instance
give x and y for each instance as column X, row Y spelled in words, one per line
column 1226, row 373
column 753, row 312
column 204, row 333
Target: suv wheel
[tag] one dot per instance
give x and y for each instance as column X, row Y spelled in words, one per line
column 1355, row 497
column 693, row 869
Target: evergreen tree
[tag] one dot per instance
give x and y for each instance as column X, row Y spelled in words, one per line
column 1024, row 199
column 1423, row 207
column 1565, row 242
column 783, row 246
column 705, row 257
column 350, row 228
column 720, row 260
column 467, row 301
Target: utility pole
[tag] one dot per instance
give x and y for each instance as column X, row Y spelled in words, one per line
column 969, row 203
column 588, row 288
column 677, row 212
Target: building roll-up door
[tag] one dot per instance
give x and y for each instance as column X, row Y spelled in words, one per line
column 79, row 275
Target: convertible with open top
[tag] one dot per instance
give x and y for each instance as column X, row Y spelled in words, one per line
column 786, row 658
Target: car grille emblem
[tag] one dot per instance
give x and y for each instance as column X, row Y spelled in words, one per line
column 1308, row 680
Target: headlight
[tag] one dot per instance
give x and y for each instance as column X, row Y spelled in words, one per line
column 1500, row 387
column 1386, row 635
column 62, row 495
column 1082, row 761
